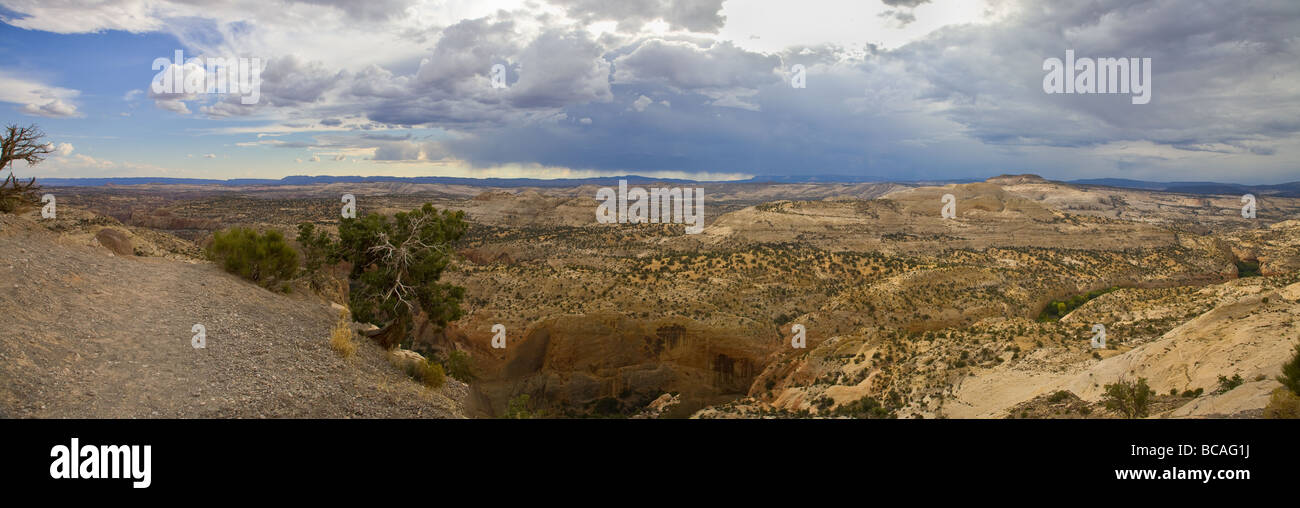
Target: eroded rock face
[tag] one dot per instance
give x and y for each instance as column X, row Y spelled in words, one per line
column 607, row 363
column 115, row 241
column 658, row 407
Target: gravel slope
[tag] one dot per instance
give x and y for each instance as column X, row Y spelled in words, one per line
column 85, row 334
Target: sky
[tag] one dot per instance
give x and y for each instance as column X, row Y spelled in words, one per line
column 702, row 89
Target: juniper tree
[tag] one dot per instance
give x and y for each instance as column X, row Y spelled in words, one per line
column 396, row 264
column 21, row 144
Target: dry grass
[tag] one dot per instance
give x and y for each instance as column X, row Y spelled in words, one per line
column 418, row 367
column 1283, row 404
column 432, row 374
column 341, row 336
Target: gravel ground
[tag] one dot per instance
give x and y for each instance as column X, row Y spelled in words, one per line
column 85, row 334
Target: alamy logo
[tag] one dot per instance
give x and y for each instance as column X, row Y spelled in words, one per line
column 658, row 205
column 498, row 336
column 237, row 76
column 1103, row 75
column 498, row 76
column 798, row 76
column 949, row 209
column 1248, row 209
column 118, row 461
column 349, row 210
column 1098, row 340
column 49, row 211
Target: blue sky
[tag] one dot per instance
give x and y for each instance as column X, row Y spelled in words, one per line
column 895, row 89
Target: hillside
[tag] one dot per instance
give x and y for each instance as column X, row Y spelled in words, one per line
column 87, row 333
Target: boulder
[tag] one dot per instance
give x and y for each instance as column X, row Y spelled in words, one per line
column 115, row 241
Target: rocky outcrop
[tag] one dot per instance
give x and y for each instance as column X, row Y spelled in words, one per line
column 115, row 241
column 608, row 363
column 658, row 407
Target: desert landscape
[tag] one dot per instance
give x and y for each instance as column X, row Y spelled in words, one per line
column 906, row 313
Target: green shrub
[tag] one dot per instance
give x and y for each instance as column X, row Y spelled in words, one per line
column 432, row 375
column 517, row 408
column 865, row 407
column 1129, row 399
column 317, row 248
column 266, row 258
column 458, row 366
column 1057, row 309
column 1226, row 384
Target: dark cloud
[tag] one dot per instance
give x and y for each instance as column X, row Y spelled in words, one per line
column 1217, row 73
column 370, row 10
column 691, row 66
column 560, row 68
column 289, row 80
column 631, row 15
column 904, row 3
column 902, row 17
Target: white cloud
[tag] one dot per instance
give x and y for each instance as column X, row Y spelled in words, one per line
column 36, row 98
column 641, row 103
column 71, row 16
column 173, row 105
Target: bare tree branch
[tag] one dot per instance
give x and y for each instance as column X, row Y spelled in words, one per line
column 23, row 144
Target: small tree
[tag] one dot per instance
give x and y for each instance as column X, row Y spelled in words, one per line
column 396, row 264
column 318, row 251
column 21, row 144
column 1129, row 399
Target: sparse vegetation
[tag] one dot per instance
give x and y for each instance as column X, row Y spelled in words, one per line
column 865, row 407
